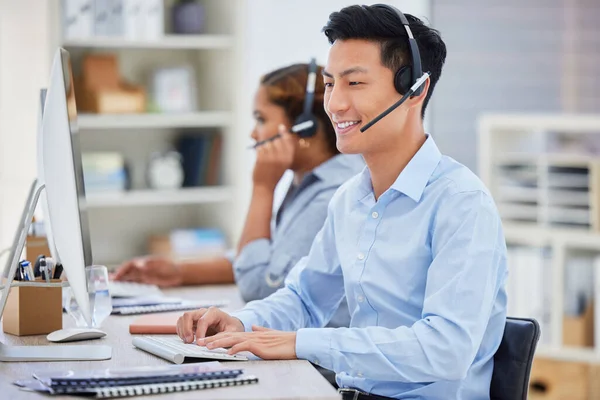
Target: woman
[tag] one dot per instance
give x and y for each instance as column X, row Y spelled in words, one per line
column 264, row 257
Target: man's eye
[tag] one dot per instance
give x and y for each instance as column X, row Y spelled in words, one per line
column 328, row 84
column 355, row 83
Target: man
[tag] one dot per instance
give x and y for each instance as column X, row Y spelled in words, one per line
column 414, row 241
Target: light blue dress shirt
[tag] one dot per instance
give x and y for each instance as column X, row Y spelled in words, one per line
column 423, row 269
column 262, row 265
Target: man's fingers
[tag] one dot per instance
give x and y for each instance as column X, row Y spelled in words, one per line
column 208, row 319
column 243, row 346
column 227, row 341
column 257, row 328
column 185, row 324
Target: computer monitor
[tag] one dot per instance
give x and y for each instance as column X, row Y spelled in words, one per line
column 60, row 175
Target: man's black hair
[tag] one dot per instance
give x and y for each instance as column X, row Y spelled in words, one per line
column 382, row 25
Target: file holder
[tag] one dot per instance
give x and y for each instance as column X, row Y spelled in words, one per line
column 48, row 352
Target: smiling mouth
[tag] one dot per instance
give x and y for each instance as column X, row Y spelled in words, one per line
column 346, row 126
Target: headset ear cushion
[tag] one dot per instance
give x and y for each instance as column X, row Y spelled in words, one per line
column 403, row 79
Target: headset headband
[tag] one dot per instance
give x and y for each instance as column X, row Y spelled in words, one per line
column 415, row 55
column 309, row 96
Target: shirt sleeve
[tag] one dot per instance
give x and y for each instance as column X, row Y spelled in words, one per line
column 312, row 293
column 262, row 265
column 463, row 281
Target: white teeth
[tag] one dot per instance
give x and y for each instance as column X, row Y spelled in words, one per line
column 343, row 125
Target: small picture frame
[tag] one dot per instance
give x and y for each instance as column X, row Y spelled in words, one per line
column 174, row 90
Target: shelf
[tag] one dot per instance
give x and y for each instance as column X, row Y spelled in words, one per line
column 215, row 194
column 569, row 354
column 133, row 121
column 532, row 234
column 562, row 160
column 538, row 122
column 197, row 42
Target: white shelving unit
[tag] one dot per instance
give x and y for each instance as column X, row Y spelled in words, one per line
column 191, row 42
column 548, row 197
column 120, row 223
column 136, row 198
column 206, row 119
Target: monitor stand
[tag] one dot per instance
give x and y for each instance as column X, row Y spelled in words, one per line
column 39, row 353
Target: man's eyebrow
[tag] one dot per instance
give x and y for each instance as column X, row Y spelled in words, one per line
column 346, row 72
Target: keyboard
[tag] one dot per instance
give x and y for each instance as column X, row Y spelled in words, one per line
column 182, row 306
column 172, row 348
column 132, row 289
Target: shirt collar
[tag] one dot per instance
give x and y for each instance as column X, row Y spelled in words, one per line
column 414, row 177
column 339, row 168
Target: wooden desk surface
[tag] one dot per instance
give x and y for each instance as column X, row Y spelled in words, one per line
column 295, row 379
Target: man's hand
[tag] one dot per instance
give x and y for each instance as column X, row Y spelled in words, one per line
column 265, row 343
column 273, row 159
column 206, row 322
column 152, row 270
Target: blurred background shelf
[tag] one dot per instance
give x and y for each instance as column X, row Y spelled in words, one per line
column 178, row 106
column 160, row 197
column 573, row 354
column 192, row 42
column 544, row 174
column 138, row 121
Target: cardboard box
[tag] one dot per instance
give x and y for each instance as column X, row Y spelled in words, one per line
column 100, row 90
column 558, row 380
column 33, row 310
column 579, row 331
column 34, row 246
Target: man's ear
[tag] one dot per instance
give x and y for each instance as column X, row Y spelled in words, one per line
column 413, row 101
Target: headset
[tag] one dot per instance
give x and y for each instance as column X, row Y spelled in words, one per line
column 305, row 125
column 409, row 79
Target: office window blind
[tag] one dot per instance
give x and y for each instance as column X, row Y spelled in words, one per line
column 512, row 56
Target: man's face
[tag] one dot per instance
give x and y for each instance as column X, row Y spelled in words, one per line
column 357, row 89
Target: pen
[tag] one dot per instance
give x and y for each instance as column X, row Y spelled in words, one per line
column 27, row 270
column 58, row 271
column 44, row 270
column 50, row 267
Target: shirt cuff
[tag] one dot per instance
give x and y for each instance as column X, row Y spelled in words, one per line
column 314, row 345
column 230, row 255
column 254, row 253
column 247, row 317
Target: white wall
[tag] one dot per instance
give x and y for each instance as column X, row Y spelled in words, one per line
column 278, row 33
column 24, row 68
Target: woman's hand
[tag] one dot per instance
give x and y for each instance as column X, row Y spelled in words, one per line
column 273, row 159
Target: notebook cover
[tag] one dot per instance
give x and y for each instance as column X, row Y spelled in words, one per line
column 155, row 324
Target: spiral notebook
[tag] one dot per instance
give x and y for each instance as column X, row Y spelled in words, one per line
column 137, row 381
column 167, row 305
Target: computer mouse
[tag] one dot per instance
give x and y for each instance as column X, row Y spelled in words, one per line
column 73, row 334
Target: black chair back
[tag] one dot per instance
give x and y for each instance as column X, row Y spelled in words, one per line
column 513, row 359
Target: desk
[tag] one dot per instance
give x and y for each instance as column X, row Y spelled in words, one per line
column 294, row 379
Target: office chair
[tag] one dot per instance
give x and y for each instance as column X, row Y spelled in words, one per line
column 513, row 359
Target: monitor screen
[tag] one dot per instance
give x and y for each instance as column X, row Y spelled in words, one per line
column 76, row 148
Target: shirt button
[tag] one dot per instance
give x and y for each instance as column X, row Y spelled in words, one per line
column 375, row 215
column 360, row 298
column 361, row 256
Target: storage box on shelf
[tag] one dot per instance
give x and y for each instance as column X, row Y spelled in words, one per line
column 122, row 221
column 544, row 174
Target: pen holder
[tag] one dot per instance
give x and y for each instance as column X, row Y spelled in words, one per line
column 33, row 308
